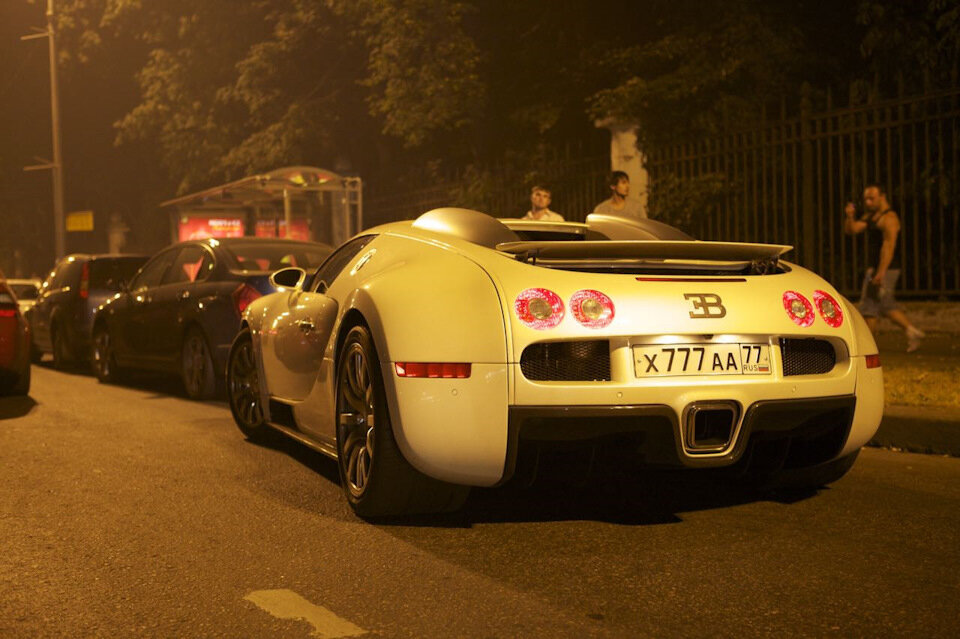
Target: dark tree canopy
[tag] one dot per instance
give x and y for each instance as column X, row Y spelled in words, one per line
column 228, row 88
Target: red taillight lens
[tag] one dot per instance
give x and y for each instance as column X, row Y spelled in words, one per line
column 8, row 312
column 539, row 308
column 593, row 309
column 85, row 281
column 446, row 370
column 828, row 307
column 243, row 296
column 798, row 308
column 873, row 361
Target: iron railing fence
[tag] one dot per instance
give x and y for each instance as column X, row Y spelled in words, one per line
column 784, row 181
column 787, row 181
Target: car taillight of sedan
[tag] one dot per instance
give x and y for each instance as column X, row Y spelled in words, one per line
column 243, row 296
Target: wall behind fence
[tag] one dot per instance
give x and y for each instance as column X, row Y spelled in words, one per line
column 787, row 182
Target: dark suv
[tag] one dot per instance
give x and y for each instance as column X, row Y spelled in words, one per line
column 63, row 315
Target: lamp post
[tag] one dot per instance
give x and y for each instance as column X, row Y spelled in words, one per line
column 57, row 164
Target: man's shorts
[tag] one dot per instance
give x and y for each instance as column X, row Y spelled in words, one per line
column 879, row 300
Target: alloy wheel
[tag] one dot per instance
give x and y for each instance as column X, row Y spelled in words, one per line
column 356, row 418
column 102, row 356
column 195, row 363
column 244, row 385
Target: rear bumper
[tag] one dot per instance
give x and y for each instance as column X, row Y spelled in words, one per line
column 805, row 432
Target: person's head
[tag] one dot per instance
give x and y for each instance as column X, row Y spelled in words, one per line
column 619, row 183
column 539, row 198
column 875, row 198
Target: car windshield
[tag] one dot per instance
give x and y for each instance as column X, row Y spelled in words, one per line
column 24, row 291
column 109, row 273
column 270, row 256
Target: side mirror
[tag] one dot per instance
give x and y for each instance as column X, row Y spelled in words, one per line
column 287, row 278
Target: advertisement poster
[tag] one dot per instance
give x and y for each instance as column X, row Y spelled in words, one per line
column 300, row 229
column 198, row 228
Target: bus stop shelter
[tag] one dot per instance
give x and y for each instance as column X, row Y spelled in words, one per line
column 297, row 202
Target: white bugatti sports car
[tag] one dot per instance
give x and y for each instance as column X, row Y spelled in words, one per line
column 425, row 355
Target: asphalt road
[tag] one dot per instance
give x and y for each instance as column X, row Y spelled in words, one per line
column 128, row 511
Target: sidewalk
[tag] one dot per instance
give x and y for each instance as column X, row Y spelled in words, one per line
column 922, row 388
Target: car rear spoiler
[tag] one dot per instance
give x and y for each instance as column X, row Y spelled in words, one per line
column 644, row 249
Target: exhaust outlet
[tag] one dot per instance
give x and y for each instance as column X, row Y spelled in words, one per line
column 709, row 426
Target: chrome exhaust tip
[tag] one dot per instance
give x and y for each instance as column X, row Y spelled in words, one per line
column 709, row 427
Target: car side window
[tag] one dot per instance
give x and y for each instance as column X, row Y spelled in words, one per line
column 152, row 272
column 48, row 284
column 336, row 262
column 188, row 266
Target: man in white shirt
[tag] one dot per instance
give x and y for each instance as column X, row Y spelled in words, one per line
column 619, row 204
column 540, row 206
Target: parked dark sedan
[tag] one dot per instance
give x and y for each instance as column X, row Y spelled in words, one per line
column 14, row 345
column 62, row 317
column 180, row 313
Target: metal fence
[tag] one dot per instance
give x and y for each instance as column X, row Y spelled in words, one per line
column 784, row 181
column 787, row 182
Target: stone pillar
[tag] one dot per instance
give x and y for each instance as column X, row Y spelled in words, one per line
column 116, row 234
column 626, row 157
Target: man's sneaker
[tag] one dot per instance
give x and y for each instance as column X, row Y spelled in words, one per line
column 914, row 335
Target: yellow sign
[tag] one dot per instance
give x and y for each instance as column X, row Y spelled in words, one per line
column 80, row 221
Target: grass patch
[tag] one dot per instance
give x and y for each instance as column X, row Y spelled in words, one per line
column 913, row 385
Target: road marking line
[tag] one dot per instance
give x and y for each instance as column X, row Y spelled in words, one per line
column 286, row 604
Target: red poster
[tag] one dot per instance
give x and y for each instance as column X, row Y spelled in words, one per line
column 300, row 230
column 198, row 228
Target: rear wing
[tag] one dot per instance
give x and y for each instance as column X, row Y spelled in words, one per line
column 592, row 251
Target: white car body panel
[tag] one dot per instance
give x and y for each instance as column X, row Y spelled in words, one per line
column 428, row 296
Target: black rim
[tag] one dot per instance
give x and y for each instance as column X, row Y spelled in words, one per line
column 59, row 349
column 244, row 385
column 194, row 364
column 101, row 354
column 356, row 419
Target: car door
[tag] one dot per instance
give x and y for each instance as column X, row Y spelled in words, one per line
column 132, row 338
column 40, row 315
column 164, row 317
column 300, row 328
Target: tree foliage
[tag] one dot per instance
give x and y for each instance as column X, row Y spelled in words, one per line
column 919, row 40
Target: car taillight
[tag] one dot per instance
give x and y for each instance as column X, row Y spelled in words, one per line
column 798, row 308
column 593, row 309
column 243, row 296
column 8, row 312
column 873, row 361
column 828, row 307
column 85, row 281
column 539, row 308
column 445, row 370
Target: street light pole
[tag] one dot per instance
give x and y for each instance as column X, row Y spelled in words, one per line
column 57, row 164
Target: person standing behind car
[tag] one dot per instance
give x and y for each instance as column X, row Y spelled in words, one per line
column 876, row 297
column 540, row 206
column 618, row 203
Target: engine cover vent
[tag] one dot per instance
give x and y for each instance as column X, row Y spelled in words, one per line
column 807, row 356
column 580, row 361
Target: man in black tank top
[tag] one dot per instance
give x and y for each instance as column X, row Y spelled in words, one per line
column 876, row 297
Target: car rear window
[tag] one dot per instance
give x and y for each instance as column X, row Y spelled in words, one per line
column 108, row 273
column 269, row 256
column 24, row 291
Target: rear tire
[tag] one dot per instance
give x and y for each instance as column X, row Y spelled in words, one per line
column 376, row 478
column 104, row 360
column 243, row 388
column 22, row 387
column 196, row 366
column 62, row 357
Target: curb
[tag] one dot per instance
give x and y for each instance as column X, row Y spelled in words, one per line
column 920, row 429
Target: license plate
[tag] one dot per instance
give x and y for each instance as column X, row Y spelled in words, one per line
column 664, row 360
